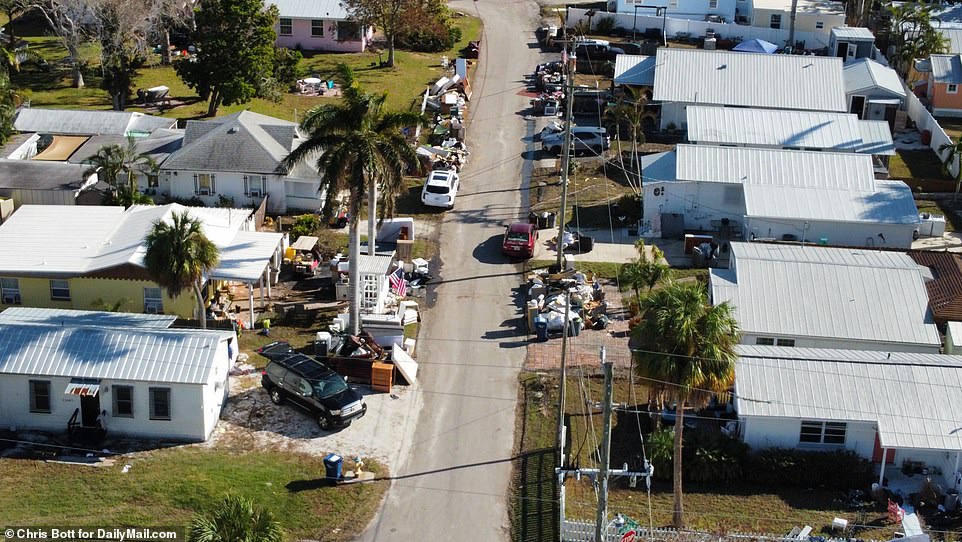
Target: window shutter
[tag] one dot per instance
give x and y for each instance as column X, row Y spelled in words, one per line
column 196, row 184
column 247, row 186
column 212, row 189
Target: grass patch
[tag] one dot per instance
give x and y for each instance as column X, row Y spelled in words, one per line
column 593, row 193
column 949, row 210
column 605, row 270
column 952, row 127
column 916, row 164
column 534, row 493
column 166, row 487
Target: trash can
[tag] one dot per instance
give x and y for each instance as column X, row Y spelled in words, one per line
column 585, row 244
column 541, row 328
column 549, row 221
column 533, row 219
column 332, row 466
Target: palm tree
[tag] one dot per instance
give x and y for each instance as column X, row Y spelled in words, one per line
column 236, row 520
column 116, row 160
column 358, row 147
column 685, row 349
column 178, row 255
column 630, row 109
column 645, row 270
column 953, row 153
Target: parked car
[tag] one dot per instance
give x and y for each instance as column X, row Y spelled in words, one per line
column 311, row 385
column 583, row 138
column 440, row 188
column 519, row 240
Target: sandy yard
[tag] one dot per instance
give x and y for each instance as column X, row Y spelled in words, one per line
column 250, row 420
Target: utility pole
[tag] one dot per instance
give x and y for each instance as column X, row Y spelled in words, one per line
column 570, row 68
column 602, row 520
column 791, row 26
column 563, row 391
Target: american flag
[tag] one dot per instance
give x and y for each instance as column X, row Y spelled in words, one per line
column 398, row 284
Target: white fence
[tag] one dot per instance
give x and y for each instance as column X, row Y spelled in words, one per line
column 925, row 121
column 584, row 531
column 697, row 29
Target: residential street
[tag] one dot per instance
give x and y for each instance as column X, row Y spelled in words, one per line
column 455, row 478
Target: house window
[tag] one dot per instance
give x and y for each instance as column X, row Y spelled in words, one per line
column 819, row 24
column 286, row 27
column 733, row 195
column 40, row 396
column 153, row 180
column 123, row 401
column 153, row 301
column 159, row 403
column 952, row 89
column 255, row 185
column 203, row 184
column 776, row 21
column 813, row 432
column 59, row 290
column 317, row 28
column 712, row 4
column 350, row 31
column 785, row 342
column 765, row 341
column 10, row 291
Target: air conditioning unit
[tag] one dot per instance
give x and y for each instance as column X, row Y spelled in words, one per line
column 255, row 193
column 11, row 299
column 203, row 191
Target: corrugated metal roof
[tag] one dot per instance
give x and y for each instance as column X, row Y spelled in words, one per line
column 750, row 80
column 374, row 265
column 636, row 70
column 876, row 137
column 851, row 385
column 865, row 73
column 946, row 68
column 890, row 203
column 247, row 256
column 78, row 122
column 954, row 35
column 776, row 167
column 172, row 356
column 70, row 317
column 853, row 33
column 815, row 291
column 311, row 9
column 782, row 128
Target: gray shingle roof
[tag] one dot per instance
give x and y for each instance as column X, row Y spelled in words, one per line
column 40, row 175
column 158, row 146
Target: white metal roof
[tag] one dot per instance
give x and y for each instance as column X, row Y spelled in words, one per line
column 783, row 128
column 954, row 35
column 635, row 70
column 826, row 292
column 876, row 137
column 866, row 74
column 374, row 265
column 890, row 203
column 69, row 240
column 954, row 330
column 776, row 167
column 912, row 397
column 946, row 68
column 853, row 33
column 825, row 7
column 311, row 9
column 659, row 166
column 79, row 122
column 70, row 317
column 749, row 80
column 246, row 257
column 144, row 355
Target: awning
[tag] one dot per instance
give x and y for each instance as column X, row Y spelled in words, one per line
column 83, row 387
column 304, row 242
column 247, row 256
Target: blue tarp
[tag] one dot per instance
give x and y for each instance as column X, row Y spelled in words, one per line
column 756, row 46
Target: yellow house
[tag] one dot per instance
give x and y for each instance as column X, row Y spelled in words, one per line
column 91, row 258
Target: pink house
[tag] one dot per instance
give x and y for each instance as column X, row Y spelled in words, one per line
column 319, row 25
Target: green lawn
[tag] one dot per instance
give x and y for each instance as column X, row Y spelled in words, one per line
column 166, row 487
column 404, row 83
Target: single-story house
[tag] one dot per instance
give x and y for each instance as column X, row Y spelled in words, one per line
column 827, row 297
column 782, row 129
column 874, row 91
column 84, row 257
column 158, row 146
column 686, row 77
column 851, row 42
column 634, row 71
column 943, row 80
column 82, row 122
column 889, row 407
column 945, row 288
column 826, row 197
column 237, row 157
column 319, row 25
column 32, row 182
column 695, row 10
column 150, row 382
column 811, row 16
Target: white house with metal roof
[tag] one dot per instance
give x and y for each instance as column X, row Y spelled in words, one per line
column 237, row 157
column 782, row 129
column 685, row 77
column 851, row 42
column 815, row 16
column 827, row 197
column 319, row 25
column 873, row 91
column 892, row 405
column 83, row 257
column 139, row 379
column 810, row 296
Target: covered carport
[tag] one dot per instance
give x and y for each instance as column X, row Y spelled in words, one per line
column 249, row 259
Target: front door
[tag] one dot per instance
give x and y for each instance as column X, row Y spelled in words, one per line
column 877, row 453
column 89, row 410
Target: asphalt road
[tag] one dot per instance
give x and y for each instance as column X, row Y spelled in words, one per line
column 454, row 482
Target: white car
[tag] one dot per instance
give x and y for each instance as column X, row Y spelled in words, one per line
column 440, row 188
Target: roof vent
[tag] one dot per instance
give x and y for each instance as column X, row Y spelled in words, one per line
column 232, row 130
column 722, row 67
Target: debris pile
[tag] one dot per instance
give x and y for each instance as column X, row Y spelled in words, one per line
column 546, row 303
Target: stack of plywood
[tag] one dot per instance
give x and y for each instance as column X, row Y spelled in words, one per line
column 382, row 377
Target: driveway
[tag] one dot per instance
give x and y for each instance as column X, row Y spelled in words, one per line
column 454, row 482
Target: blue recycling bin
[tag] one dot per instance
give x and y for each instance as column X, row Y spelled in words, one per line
column 332, row 466
column 541, row 327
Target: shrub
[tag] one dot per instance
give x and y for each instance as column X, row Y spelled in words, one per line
column 837, row 469
column 661, row 448
column 605, row 25
column 712, row 457
column 304, row 225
